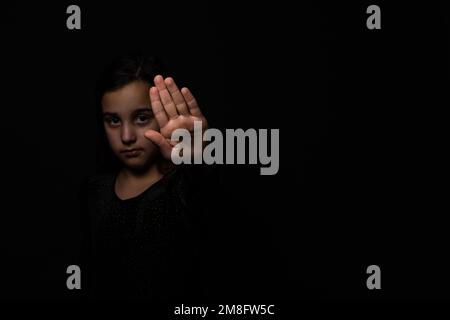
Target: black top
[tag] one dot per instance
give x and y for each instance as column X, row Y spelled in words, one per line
column 147, row 246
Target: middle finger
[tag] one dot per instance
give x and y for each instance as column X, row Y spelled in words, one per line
column 166, row 98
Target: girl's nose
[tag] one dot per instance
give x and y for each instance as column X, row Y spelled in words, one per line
column 128, row 134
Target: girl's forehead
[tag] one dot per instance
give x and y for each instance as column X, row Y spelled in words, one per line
column 127, row 99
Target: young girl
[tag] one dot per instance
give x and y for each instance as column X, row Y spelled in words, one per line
column 143, row 217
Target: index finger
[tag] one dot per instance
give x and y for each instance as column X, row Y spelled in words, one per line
column 157, row 107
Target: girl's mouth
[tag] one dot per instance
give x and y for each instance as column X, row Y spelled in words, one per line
column 132, row 153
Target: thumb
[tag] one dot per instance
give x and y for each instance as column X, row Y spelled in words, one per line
column 164, row 146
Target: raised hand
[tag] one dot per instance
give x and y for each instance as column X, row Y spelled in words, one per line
column 173, row 109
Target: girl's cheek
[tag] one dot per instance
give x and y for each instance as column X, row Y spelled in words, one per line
column 154, row 125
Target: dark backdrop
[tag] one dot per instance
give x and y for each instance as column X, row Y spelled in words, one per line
column 362, row 175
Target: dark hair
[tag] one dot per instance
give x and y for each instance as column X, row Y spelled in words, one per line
column 127, row 69
column 122, row 71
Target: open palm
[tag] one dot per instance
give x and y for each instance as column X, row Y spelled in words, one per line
column 173, row 109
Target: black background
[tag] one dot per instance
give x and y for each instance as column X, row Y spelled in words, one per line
column 362, row 119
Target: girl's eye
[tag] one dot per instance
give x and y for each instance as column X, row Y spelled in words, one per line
column 112, row 121
column 142, row 119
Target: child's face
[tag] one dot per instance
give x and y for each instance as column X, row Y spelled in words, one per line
column 127, row 114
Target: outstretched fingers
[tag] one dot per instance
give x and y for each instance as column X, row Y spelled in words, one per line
column 166, row 99
column 180, row 102
column 158, row 108
column 194, row 109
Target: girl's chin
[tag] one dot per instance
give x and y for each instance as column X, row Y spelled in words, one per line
column 134, row 162
column 137, row 163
